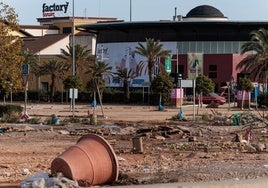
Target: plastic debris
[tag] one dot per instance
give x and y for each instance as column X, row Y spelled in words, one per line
column 44, row 180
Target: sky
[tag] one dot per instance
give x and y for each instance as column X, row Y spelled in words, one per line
column 141, row 10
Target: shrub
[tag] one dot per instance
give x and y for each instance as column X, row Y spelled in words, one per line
column 10, row 113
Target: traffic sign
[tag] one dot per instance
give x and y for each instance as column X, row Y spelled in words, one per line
column 25, row 69
column 185, row 83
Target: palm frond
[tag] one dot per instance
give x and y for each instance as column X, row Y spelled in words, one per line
column 256, row 63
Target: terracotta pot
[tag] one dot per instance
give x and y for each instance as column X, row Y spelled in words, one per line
column 91, row 161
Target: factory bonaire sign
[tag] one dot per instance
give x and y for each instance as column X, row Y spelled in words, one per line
column 49, row 10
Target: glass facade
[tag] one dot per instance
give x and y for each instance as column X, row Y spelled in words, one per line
column 210, row 47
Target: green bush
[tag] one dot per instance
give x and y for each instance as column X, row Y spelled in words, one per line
column 9, row 108
column 10, row 113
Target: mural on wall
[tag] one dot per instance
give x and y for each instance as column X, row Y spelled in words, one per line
column 195, row 65
column 122, row 55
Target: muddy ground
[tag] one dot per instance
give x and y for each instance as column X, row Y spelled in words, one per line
column 173, row 150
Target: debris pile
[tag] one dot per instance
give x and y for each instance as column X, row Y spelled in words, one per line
column 45, row 180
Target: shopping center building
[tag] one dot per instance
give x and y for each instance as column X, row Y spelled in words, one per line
column 205, row 34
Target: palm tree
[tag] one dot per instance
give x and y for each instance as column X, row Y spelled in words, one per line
column 151, row 51
column 82, row 56
column 31, row 59
column 257, row 62
column 98, row 73
column 55, row 69
column 125, row 76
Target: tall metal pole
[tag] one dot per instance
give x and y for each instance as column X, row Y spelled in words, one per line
column 73, row 64
column 194, row 85
column 181, row 111
column 25, row 99
column 130, row 11
column 177, row 51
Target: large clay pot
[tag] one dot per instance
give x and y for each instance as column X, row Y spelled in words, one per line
column 91, row 161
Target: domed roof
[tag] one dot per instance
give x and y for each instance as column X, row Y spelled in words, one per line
column 205, row 11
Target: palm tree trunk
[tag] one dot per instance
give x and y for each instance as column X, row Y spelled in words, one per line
column 52, row 87
column 126, row 88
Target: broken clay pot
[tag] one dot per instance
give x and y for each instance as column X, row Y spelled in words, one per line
column 91, row 161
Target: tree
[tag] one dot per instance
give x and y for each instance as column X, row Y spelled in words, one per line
column 245, row 85
column 204, row 84
column 10, row 48
column 72, row 82
column 98, row 72
column 162, row 85
column 151, row 51
column 55, row 69
column 82, row 57
column 31, row 59
column 257, row 62
column 125, row 76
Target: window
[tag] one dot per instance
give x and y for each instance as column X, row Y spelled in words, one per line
column 44, row 86
column 212, row 67
column 67, row 30
column 212, row 75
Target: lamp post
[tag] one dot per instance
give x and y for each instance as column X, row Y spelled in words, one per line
column 130, row 10
column 181, row 111
column 73, row 60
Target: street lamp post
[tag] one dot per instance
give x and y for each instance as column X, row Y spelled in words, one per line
column 73, row 60
column 181, row 111
column 130, row 10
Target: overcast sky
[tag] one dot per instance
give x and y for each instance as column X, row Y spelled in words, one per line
column 142, row 10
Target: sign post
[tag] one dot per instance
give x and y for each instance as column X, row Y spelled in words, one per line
column 186, row 84
column 73, row 94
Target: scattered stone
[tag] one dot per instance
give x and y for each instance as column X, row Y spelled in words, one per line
column 200, row 133
column 64, row 132
column 260, row 147
column 192, row 139
column 137, row 145
column 25, row 171
column 157, row 137
column 6, row 174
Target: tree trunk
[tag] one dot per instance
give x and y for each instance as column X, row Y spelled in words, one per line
column 126, row 89
column 52, row 87
column 243, row 98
